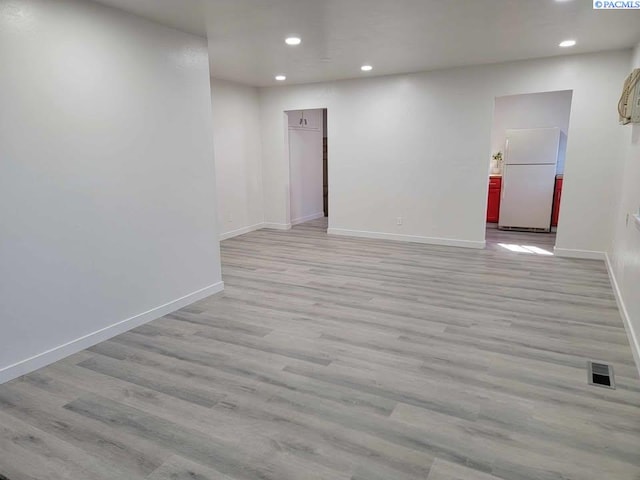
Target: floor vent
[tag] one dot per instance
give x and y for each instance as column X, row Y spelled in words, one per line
column 601, row 374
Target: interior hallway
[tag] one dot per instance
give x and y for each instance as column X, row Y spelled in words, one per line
column 340, row 358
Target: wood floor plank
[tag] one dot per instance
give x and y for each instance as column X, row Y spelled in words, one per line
column 123, row 452
column 34, row 453
column 443, row 470
column 179, row 468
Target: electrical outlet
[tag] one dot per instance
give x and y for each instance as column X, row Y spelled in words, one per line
column 399, row 220
column 230, row 218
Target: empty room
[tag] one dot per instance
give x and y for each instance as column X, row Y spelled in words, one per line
column 319, row 240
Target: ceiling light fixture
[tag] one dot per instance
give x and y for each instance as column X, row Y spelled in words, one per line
column 366, row 68
column 281, row 78
column 293, row 41
column 567, row 43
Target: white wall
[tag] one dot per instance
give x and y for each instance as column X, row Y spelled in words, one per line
column 415, row 146
column 305, row 167
column 238, row 154
column 624, row 255
column 107, row 191
column 534, row 110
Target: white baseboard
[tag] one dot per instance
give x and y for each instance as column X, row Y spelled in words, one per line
column 58, row 353
column 308, row 218
column 448, row 242
column 624, row 313
column 273, row 226
column 241, row 231
column 583, row 254
column 277, row 226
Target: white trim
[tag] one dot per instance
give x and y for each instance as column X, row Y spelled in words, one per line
column 584, row 254
column 241, row 231
column 308, row 218
column 277, row 226
column 74, row 346
column 307, row 128
column 448, row 242
column 634, row 342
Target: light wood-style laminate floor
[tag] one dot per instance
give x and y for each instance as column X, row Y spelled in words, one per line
column 346, row 359
column 504, row 239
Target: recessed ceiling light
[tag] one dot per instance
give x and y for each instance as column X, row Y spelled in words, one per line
column 366, row 68
column 567, row 43
column 293, row 41
column 281, row 78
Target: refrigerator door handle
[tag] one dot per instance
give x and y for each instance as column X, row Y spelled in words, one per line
column 504, row 181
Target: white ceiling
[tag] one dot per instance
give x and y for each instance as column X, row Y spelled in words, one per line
column 246, row 37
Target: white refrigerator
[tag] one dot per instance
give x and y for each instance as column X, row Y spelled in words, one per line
column 528, row 179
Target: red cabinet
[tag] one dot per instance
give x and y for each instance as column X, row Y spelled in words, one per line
column 557, row 195
column 493, row 207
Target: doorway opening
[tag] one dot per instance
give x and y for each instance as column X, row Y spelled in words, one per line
column 308, row 168
column 526, row 171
